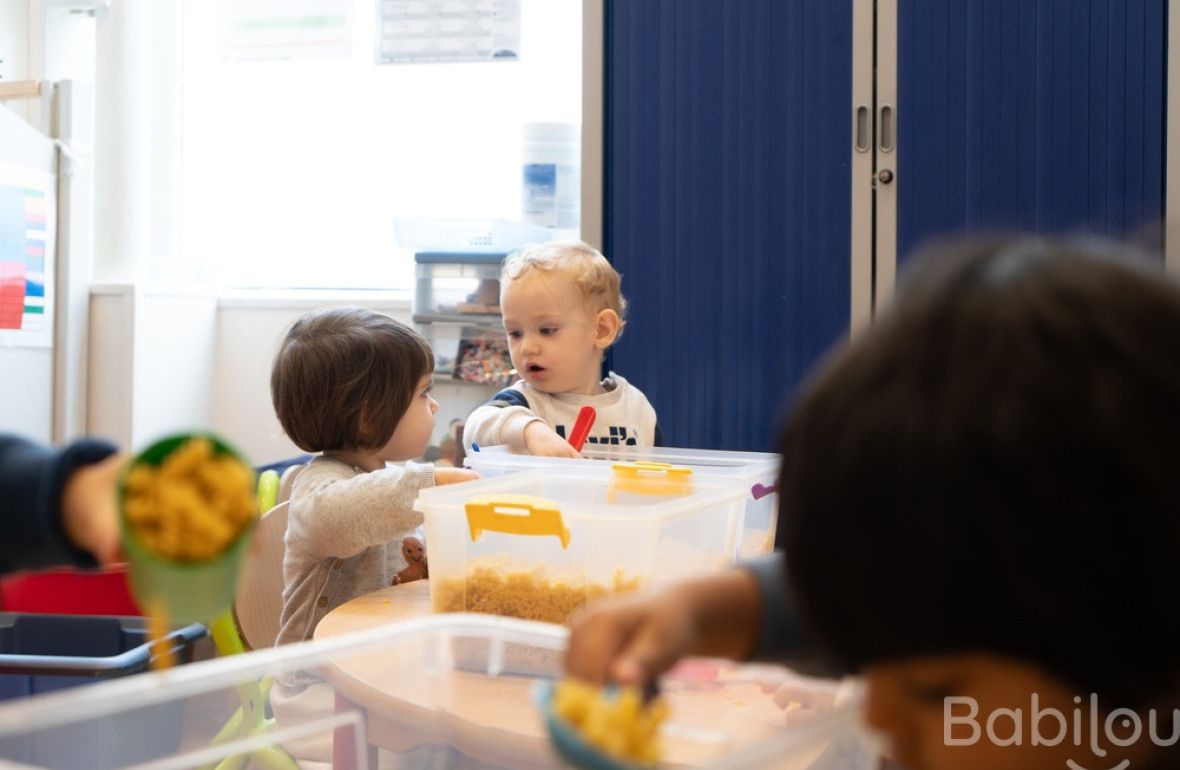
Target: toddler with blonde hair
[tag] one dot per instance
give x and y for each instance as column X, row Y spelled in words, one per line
column 562, row 310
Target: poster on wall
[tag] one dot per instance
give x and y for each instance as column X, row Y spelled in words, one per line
column 281, row 30
column 415, row 31
column 28, row 223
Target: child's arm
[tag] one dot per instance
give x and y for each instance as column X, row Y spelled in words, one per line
column 634, row 639
column 88, row 509
column 453, row 475
column 337, row 514
column 502, row 420
column 507, row 419
column 59, row 505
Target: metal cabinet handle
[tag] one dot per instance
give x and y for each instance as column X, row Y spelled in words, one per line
column 886, row 128
column 863, row 140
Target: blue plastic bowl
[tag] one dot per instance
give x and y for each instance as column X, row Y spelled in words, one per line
column 569, row 741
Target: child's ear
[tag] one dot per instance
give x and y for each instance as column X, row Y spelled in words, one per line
column 606, row 328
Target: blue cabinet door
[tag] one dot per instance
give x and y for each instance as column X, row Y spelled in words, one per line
column 726, row 204
column 1041, row 115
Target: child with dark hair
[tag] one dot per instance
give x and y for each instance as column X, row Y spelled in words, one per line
column 353, row 385
column 980, row 507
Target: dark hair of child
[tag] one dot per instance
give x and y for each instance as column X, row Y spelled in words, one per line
column 343, row 378
column 994, row 466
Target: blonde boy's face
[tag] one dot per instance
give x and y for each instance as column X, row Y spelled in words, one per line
column 976, row 712
column 412, row 434
column 555, row 339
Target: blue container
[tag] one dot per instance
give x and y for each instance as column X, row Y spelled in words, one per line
column 42, row 653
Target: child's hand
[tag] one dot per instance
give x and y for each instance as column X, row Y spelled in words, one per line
column 453, row 475
column 88, row 509
column 540, row 439
column 633, row 639
column 629, row 640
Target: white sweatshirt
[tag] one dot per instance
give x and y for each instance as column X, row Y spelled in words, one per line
column 624, row 416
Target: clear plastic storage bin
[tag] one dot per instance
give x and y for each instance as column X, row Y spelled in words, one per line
column 501, row 235
column 469, row 353
column 398, row 696
column 445, row 341
column 461, row 287
column 475, row 354
column 45, row 653
column 756, row 471
column 540, row 543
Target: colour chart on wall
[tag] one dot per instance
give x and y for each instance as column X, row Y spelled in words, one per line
column 28, row 212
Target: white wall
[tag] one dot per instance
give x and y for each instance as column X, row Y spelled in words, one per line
column 249, row 330
column 162, row 360
column 26, row 389
column 14, row 47
column 109, row 374
column 151, row 362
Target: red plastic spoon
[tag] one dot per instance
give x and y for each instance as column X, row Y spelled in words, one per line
column 582, row 426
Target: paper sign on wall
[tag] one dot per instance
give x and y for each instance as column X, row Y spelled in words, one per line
column 28, row 224
column 448, row 30
column 273, row 30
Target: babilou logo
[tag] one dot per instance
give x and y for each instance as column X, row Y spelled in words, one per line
column 1085, row 728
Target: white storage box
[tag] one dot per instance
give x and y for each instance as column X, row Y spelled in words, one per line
column 538, row 544
column 756, row 471
column 397, row 687
column 501, row 235
column 457, row 286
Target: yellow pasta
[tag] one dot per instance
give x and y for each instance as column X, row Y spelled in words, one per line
column 535, row 594
column 192, row 506
column 616, row 721
column 157, row 626
column 189, row 509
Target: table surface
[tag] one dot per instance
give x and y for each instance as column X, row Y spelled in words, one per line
column 387, row 605
column 493, row 718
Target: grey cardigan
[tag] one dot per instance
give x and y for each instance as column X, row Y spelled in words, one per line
column 344, row 536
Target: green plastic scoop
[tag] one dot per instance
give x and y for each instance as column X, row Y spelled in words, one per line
column 186, row 591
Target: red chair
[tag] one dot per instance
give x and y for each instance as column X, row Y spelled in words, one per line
column 69, row 592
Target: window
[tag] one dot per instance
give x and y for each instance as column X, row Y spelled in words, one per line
column 294, row 170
